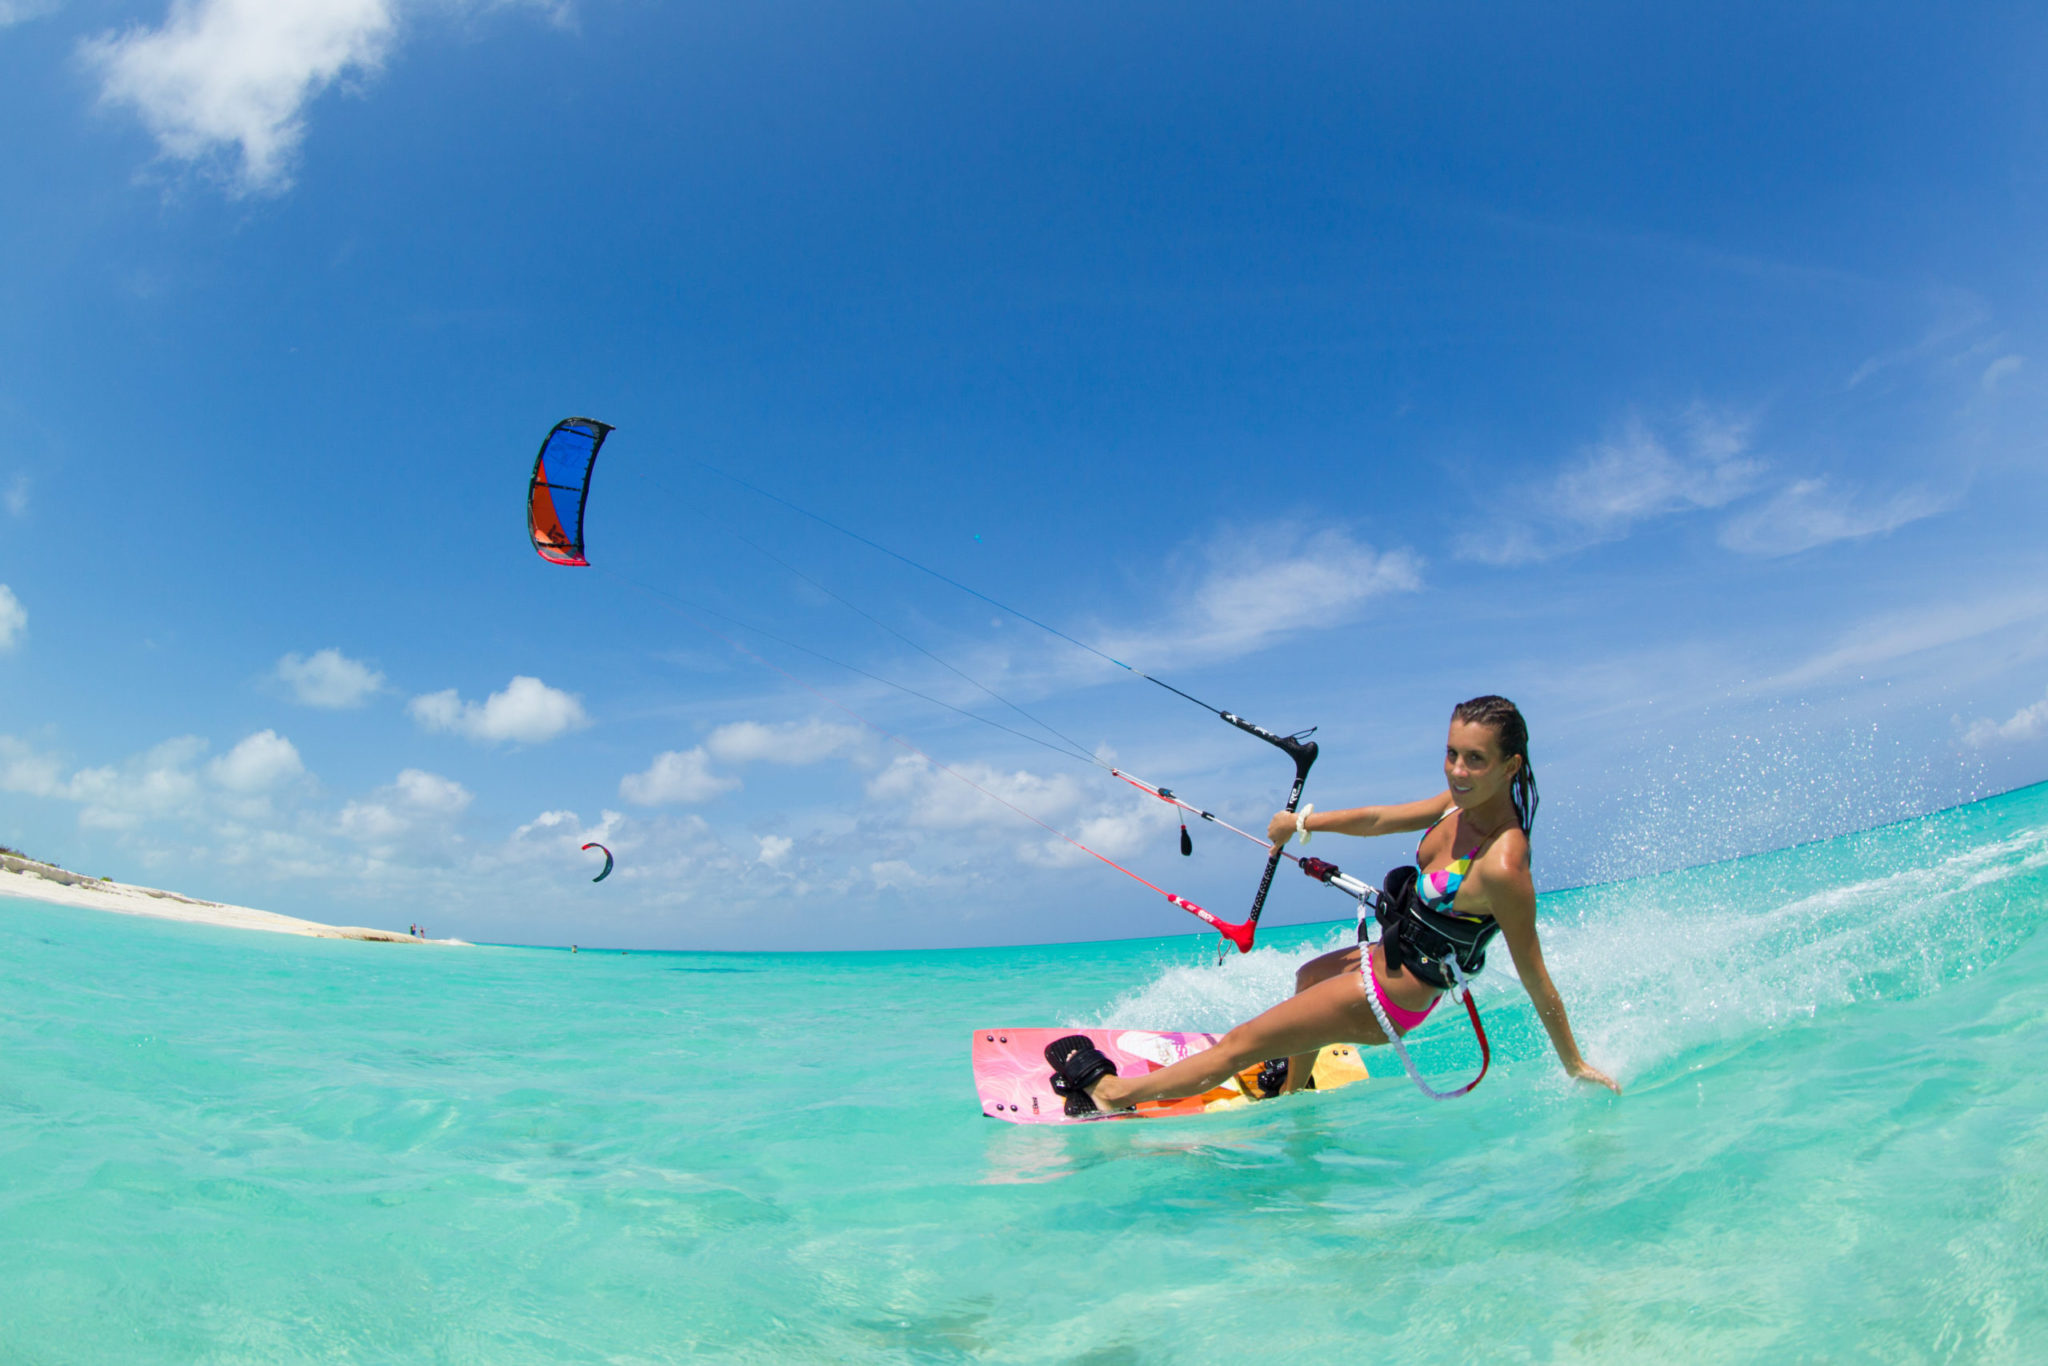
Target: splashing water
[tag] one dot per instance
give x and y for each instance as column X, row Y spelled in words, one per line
column 230, row 1147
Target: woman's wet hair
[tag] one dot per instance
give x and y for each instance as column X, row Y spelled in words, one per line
column 1506, row 719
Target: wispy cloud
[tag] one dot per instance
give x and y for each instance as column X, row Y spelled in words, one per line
column 329, row 678
column 1636, row 475
column 2028, row 723
column 16, row 497
column 1262, row 585
column 2000, row 370
column 1960, row 316
column 526, row 711
column 13, row 618
column 1809, row 513
column 15, row 11
column 1940, row 626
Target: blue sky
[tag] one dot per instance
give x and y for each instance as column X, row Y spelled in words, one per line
column 1677, row 374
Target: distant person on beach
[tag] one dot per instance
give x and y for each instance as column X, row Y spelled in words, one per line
column 1471, row 880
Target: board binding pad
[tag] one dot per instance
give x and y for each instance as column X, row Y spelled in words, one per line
column 1014, row 1081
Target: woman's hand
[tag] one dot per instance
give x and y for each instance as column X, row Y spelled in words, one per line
column 1585, row 1071
column 1280, row 829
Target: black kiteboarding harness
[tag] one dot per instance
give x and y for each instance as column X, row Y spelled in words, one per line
column 1444, row 951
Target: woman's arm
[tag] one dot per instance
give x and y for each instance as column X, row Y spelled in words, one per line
column 1511, row 899
column 1363, row 820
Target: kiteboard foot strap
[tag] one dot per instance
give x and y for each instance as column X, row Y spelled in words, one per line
column 1077, row 1064
column 1272, row 1077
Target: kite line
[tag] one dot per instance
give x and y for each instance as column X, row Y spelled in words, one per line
column 575, row 442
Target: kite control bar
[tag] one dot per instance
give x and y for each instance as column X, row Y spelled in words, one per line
column 1240, row 935
column 1303, row 751
column 1322, row 870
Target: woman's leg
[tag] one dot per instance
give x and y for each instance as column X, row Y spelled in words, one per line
column 1334, row 1010
column 1301, row 1066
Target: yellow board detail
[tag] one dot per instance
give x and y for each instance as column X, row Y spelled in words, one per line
column 1336, row 1065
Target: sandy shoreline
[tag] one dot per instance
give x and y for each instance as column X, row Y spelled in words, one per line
column 35, row 881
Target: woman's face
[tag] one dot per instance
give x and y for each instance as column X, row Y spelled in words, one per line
column 1474, row 766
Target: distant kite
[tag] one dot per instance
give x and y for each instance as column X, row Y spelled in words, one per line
column 607, row 861
column 569, row 454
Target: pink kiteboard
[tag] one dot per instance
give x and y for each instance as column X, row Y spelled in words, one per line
column 1014, row 1081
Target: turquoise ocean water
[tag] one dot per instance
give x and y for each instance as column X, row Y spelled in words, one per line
column 235, row 1147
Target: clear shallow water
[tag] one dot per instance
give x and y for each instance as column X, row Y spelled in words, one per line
column 219, row 1146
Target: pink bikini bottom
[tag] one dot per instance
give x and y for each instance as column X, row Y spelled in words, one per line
column 1404, row 1019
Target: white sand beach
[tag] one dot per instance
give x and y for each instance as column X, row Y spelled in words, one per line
column 24, row 877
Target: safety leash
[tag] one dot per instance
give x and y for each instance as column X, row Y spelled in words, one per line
column 1367, row 896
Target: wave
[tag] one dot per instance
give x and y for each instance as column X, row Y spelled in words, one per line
column 1660, row 972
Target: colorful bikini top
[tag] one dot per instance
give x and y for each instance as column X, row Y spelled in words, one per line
column 1440, row 888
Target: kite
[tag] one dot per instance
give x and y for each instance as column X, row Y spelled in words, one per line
column 607, row 861
column 569, row 454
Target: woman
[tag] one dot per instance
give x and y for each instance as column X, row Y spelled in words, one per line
column 1474, row 862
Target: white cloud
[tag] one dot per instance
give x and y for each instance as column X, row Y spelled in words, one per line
column 157, row 784
column 329, row 678
column 1806, row 514
column 416, row 803
column 229, row 81
column 372, row 822
column 893, row 872
column 2000, row 370
column 1612, row 485
column 936, row 800
column 259, row 763
column 2028, row 723
column 554, row 841
column 16, row 11
column 1115, row 823
column 13, row 618
column 234, row 76
column 555, row 829
column 164, row 783
column 775, row 848
column 16, row 497
column 24, row 770
column 527, row 711
column 789, row 742
column 666, row 860
column 1262, row 585
column 675, row 777
column 423, row 791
